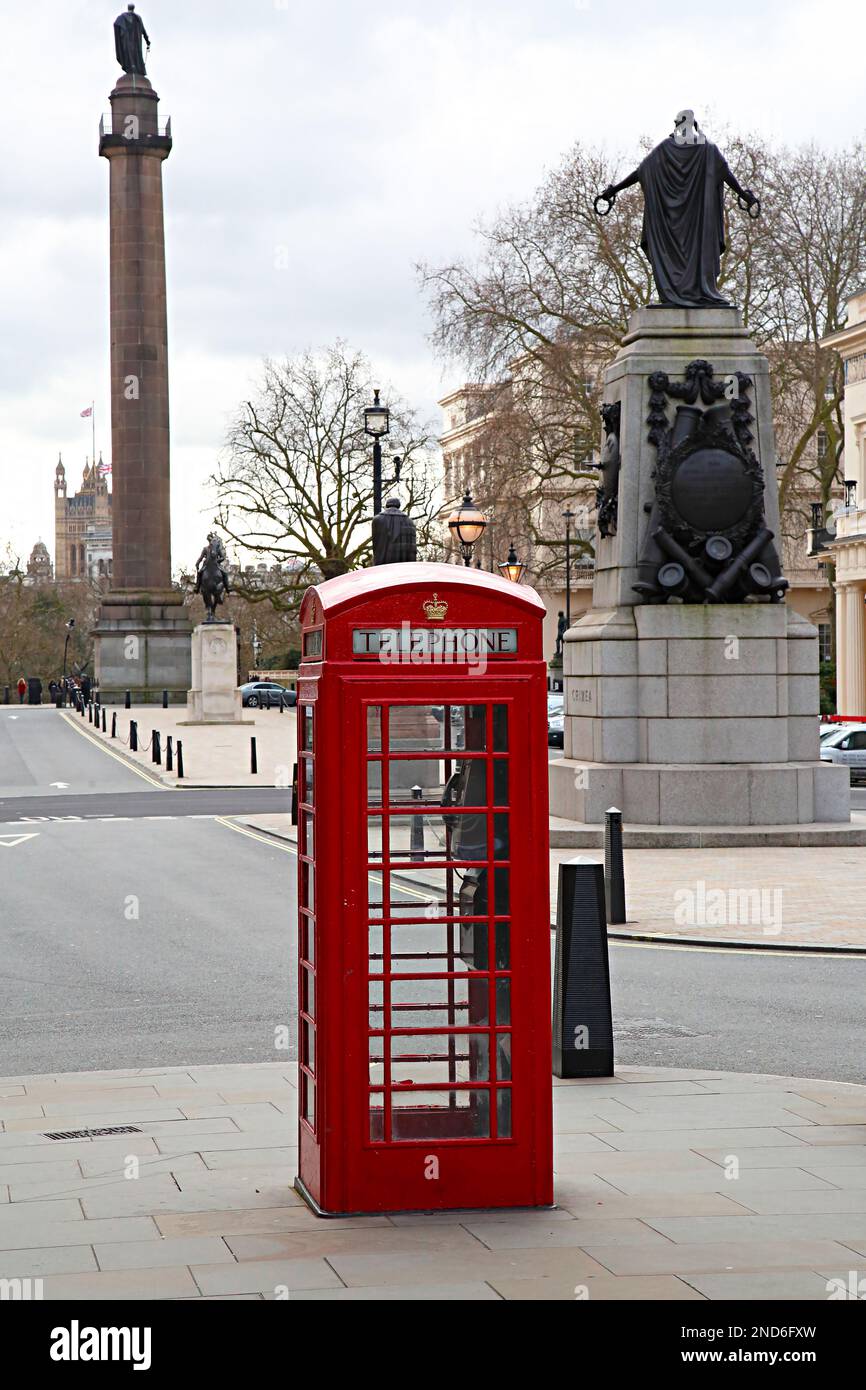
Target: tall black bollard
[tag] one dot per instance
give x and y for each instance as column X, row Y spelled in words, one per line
column 133, row 736
column 281, row 703
column 155, row 748
column 614, row 871
column 114, row 723
column 169, row 765
column 179, row 759
column 127, row 700
column 165, row 699
column 104, row 728
column 582, row 1017
column 416, row 834
column 254, row 763
column 90, row 711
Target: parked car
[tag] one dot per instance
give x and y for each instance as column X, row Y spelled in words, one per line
column 556, row 721
column 266, row 694
column 847, row 745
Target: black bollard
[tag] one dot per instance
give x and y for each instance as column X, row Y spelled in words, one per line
column 165, row 699
column 104, row 728
column 90, row 711
column 254, row 764
column 127, row 700
column 582, row 1016
column 416, row 834
column 133, row 736
column 169, row 765
column 179, row 759
column 114, row 724
column 614, row 872
column 281, row 703
column 156, row 750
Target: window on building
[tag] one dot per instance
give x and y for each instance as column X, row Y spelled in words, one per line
column 822, row 442
column 825, row 642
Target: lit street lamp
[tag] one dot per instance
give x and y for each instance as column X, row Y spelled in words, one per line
column 568, row 517
column 466, row 524
column 377, row 423
column 512, row 568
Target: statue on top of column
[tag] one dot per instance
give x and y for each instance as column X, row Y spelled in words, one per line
column 683, row 236
column 129, row 31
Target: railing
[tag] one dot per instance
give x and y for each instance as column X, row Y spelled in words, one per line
column 850, row 521
column 107, row 123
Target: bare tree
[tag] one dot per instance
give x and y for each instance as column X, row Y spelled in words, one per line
column 295, row 481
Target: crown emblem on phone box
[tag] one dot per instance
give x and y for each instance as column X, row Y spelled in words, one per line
column 435, row 608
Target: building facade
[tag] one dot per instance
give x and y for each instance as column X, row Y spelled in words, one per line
column 82, row 525
column 848, row 546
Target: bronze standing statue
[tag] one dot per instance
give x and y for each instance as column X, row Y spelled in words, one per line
column 394, row 537
column 129, row 31
column 684, row 220
column 212, row 580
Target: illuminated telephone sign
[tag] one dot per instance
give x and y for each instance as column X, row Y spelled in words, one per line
column 424, row 936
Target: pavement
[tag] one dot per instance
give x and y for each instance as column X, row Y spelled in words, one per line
column 670, row 1185
column 214, row 755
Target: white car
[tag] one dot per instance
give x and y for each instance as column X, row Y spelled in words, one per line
column 847, row 746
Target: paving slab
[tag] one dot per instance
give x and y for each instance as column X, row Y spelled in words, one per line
column 644, row 1207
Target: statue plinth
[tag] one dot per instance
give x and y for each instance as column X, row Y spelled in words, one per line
column 687, row 713
column 214, row 697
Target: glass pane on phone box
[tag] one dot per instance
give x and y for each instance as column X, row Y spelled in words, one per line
column 436, row 836
column 503, row 1112
column 374, row 729
column 308, row 728
column 450, row 1058
column 500, row 728
column 374, row 783
column 416, row 781
column 440, row 1114
column 503, row 1056
column 415, row 728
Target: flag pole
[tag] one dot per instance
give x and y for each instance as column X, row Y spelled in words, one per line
column 93, row 423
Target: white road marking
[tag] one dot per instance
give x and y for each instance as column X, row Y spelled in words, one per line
column 10, row 841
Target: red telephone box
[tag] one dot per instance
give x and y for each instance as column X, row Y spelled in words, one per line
column 424, row 924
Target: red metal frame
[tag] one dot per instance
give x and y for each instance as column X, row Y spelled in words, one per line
column 424, row 1048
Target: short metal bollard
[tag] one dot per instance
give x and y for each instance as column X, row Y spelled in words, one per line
column 90, row 711
column 614, row 870
column 416, row 834
column 254, row 762
column 165, row 699
column 156, row 749
column 179, row 759
column 133, row 736
column 281, row 704
column 114, row 724
column 127, row 700
column 582, row 1016
column 104, row 725
column 169, row 765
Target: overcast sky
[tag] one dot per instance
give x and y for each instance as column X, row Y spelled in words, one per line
column 361, row 135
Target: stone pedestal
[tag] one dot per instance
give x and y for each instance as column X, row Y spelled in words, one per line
column 142, row 645
column 214, row 697
column 689, row 714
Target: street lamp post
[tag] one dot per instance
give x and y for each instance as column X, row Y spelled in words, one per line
column 466, row 524
column 69, row 626
column 377, row 423
column 568, row 517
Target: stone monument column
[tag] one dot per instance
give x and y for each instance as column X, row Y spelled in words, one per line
column 142, row 634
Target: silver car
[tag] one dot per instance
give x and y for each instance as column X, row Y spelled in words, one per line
column 847, row 745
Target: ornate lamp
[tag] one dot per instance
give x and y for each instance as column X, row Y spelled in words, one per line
column 377, row 419
column 512, row 568
column 467, row 524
